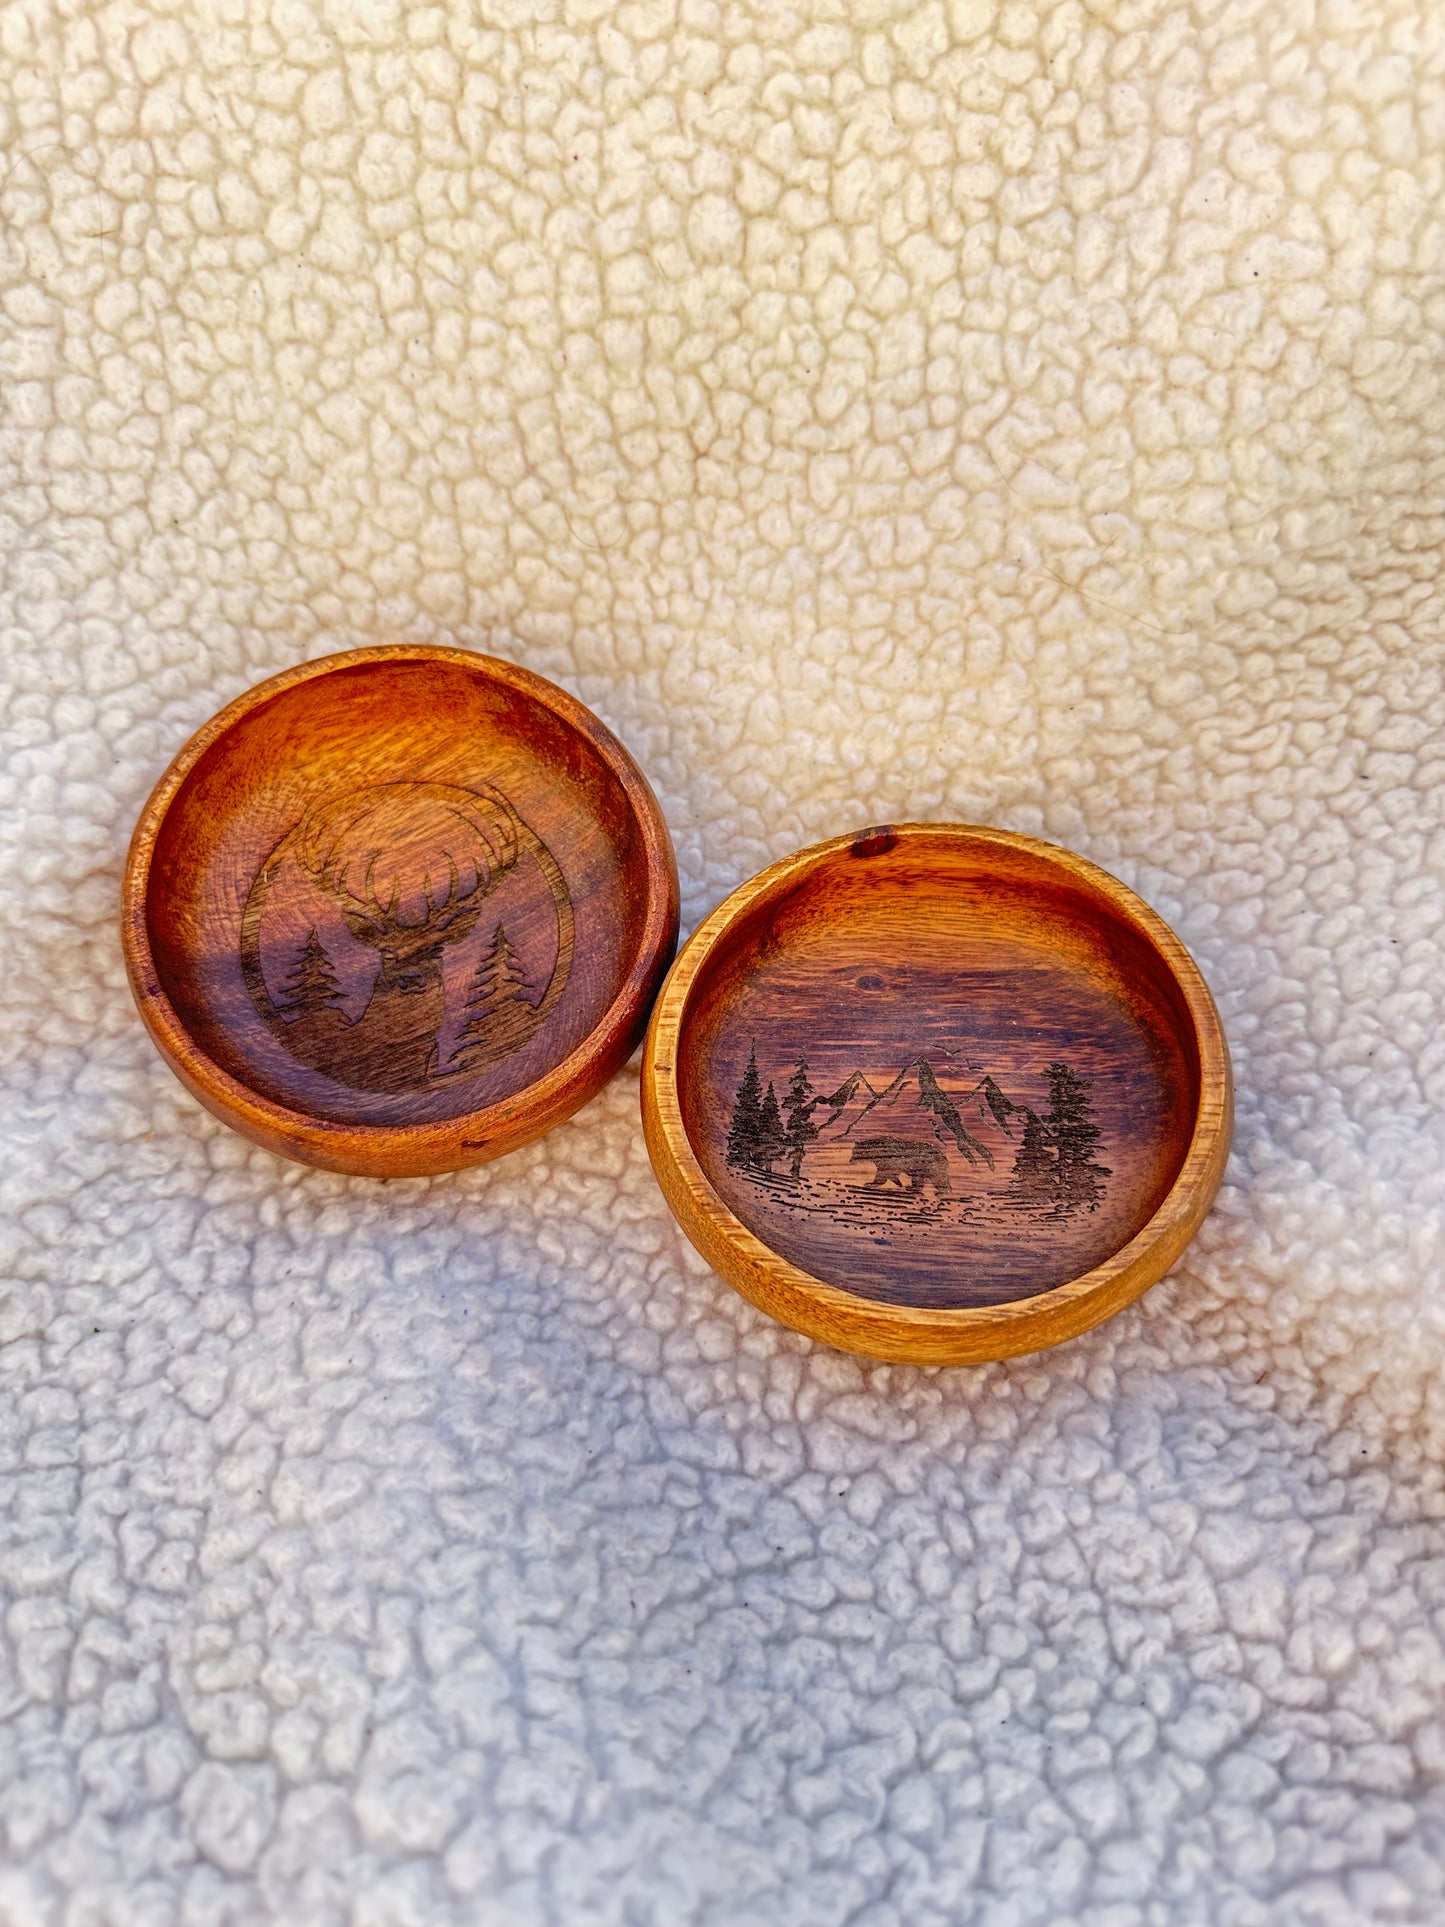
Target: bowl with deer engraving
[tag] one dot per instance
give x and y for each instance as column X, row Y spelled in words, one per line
column 937, row 1093
column 400, row 910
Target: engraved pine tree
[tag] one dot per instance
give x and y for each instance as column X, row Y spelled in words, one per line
column 1057, row 1163
column 500, row 1010
column 1035, row 1169
column 743, row 1131
column 1075, row 1138
column 772, row 1138
column 756, row 1136
column 798, row 1109
column 310, row 993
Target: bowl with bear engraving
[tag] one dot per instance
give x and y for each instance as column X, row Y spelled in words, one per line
column 937, row 1093
column 399, row 910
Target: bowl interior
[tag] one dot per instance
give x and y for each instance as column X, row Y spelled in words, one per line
column 398, row 892
column 939, row 1071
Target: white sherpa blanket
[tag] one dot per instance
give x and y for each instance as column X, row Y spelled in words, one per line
column 1028, row 413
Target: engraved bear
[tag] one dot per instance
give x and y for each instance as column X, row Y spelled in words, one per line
column 904, row 1161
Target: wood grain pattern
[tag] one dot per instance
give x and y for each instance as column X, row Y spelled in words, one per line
column 399, row 910
column 937, row 1093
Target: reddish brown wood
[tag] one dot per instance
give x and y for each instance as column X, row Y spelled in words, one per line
column 938, row 1093
column 399, row 910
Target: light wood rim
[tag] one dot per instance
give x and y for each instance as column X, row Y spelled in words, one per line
column 906, row 1333
column 448, row 1144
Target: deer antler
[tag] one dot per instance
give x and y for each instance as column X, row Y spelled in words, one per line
column 496, row 826
column 443, row 911
column 396, row 834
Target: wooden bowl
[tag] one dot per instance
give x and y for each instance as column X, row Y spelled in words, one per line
column 399, row 910
column 937, row 1093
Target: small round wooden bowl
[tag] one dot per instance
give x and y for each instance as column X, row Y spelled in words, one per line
column 399, row 911
column 937, row 1093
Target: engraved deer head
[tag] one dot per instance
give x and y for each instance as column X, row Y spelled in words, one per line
column 409, row 866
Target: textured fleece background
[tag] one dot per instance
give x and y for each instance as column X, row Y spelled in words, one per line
column 1030, row 414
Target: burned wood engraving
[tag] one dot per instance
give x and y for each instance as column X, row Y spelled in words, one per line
column 407, row 934
column 919, row 1142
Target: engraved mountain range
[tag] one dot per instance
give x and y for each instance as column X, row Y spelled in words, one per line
column 914, row 1132
column 916, row 1103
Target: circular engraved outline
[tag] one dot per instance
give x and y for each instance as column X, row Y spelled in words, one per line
column 266, row 875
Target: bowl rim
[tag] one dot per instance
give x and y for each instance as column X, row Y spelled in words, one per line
column 469, row 1137
column 928, row 1334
